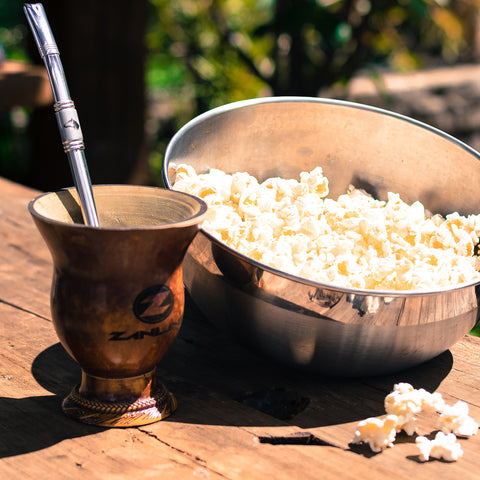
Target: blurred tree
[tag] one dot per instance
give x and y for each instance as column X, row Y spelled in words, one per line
column 12, row 29
column 13, row 151
column 225, row 50
column 103, row 53
column 198, row 54
column 204, row 53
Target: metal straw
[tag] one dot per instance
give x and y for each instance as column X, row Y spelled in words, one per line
column 67, row 118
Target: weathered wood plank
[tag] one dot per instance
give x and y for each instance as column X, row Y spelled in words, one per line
column 35, row 433
column 37, row 440
column 25, row 263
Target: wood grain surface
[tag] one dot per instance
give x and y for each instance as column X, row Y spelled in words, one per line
column 239, row 416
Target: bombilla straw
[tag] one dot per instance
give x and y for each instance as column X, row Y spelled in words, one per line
column 67, row 118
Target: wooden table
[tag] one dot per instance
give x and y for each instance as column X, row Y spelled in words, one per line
column 239, row 416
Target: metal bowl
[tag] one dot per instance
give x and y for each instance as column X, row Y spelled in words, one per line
column 312, row 325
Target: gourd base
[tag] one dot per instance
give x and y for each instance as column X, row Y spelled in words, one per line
column 119, row 402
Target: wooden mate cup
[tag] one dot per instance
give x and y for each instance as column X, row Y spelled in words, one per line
column 117, row 295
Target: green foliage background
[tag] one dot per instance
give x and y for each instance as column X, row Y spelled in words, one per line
column 204, row 53
column 226, row 50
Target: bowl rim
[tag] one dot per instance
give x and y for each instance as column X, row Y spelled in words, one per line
column 329, row 101
column 297, row 99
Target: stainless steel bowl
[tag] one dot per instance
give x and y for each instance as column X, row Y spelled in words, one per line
column 317, row 326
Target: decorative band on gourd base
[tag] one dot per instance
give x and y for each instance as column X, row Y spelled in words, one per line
column 119, row 402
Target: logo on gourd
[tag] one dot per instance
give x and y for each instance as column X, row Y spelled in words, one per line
column 154, row 304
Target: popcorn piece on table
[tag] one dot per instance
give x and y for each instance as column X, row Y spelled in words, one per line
column 378, row 434
column 401, row 405
column 442, row 446
column 405, row 402
column 455, row 419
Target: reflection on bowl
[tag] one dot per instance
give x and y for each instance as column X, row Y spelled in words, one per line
column 312, row 325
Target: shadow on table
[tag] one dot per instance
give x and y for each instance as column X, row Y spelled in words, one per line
column 34, row 423
column 216, row 382
column 206, row 369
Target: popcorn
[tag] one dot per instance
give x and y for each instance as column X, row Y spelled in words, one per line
column 455, row 419
column 443, row 447
column 405, row 402
column 401, row 406
column 354, row 241
column 379, row 434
